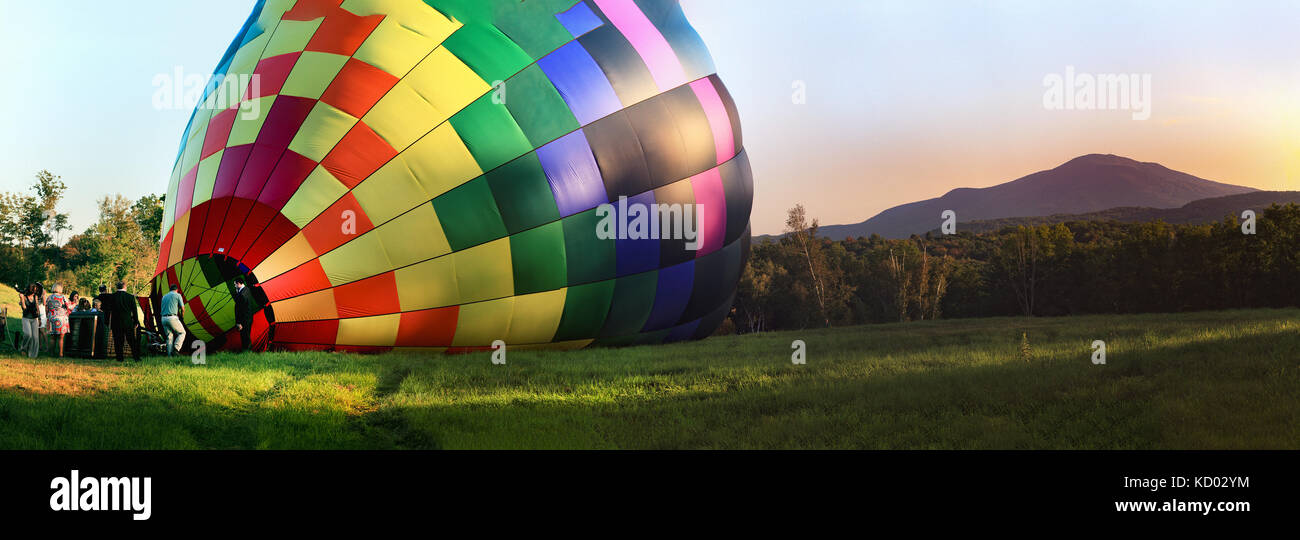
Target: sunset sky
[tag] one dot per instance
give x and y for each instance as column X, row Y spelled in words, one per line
column 905, row 100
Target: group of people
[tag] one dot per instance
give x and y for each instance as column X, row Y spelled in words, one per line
column 46, row 317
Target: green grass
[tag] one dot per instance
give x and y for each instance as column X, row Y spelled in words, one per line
column 1200, row 380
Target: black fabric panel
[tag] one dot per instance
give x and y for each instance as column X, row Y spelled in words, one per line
column 621, row 63
column 711, row 322
column 693, row 128
column 656, row 129
column 713, row 283
column 673, row 252
column 738, row 185
column 619, row 155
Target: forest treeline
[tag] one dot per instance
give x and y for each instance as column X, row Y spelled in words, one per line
column 121, row 245
column 802, row 281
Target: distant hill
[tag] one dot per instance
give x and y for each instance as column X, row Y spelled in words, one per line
column 1086, row 184
column 1193, row 213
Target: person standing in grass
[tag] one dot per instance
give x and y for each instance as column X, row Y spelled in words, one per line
column 243, row 314
column 173, row 308
column 124, row 317
column 57, row 308
column 32, row 321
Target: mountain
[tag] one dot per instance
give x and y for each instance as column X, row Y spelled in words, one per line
column 1085, row 184
column 1193, row 213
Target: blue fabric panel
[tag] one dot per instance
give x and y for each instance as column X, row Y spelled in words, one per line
column 581, row 83
column 572, row 172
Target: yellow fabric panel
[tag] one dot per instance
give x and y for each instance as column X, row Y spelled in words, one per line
column 321, row 132
column 313, row 73
column 446, row 82
column 285, row 258
column 416, row 16
column 291, row 37
column 248, row 122
column 181, row 231
column 413, row 237
column 428, row 285
column 536, row 317
column 194, row 139
column 395, row 48
column 482, row 323
column 363, row 257
column 308, row 307
column 441, row 162
column 190, row 158
column 390, row 191
column 246, row 59
column 378, row 331
column 403, row 116
column 169, row 205
column 316, row 193
column 485, row 272
column 207, row 178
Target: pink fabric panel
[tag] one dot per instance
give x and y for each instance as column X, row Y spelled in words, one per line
column 647, row 40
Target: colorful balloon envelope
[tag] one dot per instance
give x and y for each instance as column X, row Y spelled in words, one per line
column 449, row 174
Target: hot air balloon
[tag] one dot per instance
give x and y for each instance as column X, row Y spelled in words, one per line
column 446, row 174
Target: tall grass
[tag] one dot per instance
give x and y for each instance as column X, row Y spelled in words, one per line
column 1198, row 380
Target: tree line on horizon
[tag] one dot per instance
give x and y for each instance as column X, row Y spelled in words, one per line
column 122, row 245
column 801, row 280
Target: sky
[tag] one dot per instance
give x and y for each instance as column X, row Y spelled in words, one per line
column 903, row 100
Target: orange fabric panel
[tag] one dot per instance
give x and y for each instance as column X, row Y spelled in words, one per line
column 428, row 328
column 368, row 297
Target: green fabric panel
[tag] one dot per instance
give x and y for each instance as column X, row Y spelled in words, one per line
column 469, row 215
column 531, row 24
column 488, row 52
column 490, row 133
column 539, row 261
column 634, row 298
column 585, row 308
column 538, row 108
column 590, row 258
column 523, row 195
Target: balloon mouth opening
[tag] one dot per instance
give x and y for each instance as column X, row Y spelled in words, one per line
column 208, row 285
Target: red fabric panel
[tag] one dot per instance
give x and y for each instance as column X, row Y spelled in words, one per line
column 358, row 155
column 428, row 328
column 343, row 33
column 288, row 175
column 308, row 332
column 164, row 251
column 307, row 10
column 195, row 233
column 185, row 192
column 301, row 280
column 358, row 87
column 218, row 132
column 284, row 120
column 235, row 214
column 371, row 296
column 257, row 170
column 326, row 231
column 276, row 234
column 259, row 217
column 270, row 74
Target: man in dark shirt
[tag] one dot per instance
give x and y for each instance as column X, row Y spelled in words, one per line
column 243, row 314
column 124, row 318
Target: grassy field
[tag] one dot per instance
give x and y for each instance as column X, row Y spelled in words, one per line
column 1200, row 380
